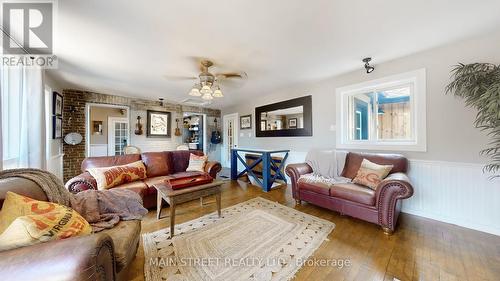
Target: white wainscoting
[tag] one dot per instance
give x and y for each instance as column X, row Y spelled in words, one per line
column 98, row 150
column 457, row 193
column 55, row 165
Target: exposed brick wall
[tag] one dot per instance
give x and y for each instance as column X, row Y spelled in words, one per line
column 75, row 121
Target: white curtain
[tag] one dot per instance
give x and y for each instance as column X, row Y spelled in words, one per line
column 23, row 118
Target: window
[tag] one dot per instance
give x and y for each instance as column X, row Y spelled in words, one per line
column 11, row 95
column 383, row 114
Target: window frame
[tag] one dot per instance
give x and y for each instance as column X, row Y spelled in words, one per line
column 418, row 142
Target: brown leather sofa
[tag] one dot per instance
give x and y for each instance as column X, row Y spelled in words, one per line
column 105, row 255
column 380, row 206
column 159, row 166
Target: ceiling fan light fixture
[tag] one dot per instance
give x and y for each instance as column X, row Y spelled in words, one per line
column 206, row 90
column 218, row 93
column 207, row 96
column 195, row 92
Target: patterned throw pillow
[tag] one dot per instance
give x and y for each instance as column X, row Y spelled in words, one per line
column 109, row 177
column 197, row 163
column 371, row 174
column 26, row 221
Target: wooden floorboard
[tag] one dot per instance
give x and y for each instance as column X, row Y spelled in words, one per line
column 420, row 249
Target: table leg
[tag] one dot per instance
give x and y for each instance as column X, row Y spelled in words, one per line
column 266, row 173
column 234, row 164
column 159, row 202
column 217, row 198
column 172, row 218
column 201, row 201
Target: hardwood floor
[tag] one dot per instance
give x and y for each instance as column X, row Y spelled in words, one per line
column 420, row 249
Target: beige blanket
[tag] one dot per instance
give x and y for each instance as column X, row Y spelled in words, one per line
column 327, row 166
column 102, row 209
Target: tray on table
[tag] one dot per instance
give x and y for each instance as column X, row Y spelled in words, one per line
column 183, row 182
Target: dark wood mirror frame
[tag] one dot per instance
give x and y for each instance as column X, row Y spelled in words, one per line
column 307, row 131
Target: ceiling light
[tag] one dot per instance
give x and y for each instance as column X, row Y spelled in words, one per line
column 218, row 93
column 207, row 96
column 368, row 67
column 206, row 90
column 195, row 92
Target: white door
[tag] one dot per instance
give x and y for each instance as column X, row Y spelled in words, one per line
column 229, row 137
column 118, row 135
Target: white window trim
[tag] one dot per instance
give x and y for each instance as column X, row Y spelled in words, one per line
column 418, row 103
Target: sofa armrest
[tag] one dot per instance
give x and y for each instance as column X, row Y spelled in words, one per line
column 294, row 171
column 79, row 258
column 395, row 187
column 81, row 182
column 213, row 168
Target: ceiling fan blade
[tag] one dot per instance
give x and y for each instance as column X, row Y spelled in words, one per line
column 179, row 78
column 240, row 75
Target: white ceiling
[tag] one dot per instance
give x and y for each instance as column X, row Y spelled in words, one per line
column 127, row 47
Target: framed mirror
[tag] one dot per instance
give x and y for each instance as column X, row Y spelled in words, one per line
column 290, row 118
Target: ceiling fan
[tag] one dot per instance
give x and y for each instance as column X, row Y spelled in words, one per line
column 208, row 86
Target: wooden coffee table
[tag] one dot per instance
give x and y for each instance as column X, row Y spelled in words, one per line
column 174, row 197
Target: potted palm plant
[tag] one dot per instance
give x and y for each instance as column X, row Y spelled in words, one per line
column 479, row 85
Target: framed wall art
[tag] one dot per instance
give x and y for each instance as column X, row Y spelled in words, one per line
column 57, row 104
column 56, row 127
column 158, row 124
column 245, row 122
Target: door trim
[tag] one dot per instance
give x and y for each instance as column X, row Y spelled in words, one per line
column 111, row 134
column 88, row 126
column 225, row 137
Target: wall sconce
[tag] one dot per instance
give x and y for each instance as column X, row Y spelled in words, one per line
column 368, row 67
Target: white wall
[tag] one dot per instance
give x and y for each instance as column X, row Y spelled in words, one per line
column 451, row 137
column 54, row 146
column 152, row 144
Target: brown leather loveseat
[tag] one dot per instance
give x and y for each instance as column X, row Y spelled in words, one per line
column 380, row 206
column 105, row 255
column 159, row 166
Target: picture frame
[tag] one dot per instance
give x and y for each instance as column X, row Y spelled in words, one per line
column 57, row 104
column 56, row 127
column 246, row 122
column 159, row 124
column 292, row 123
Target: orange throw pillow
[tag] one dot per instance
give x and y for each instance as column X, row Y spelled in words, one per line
column 371, row 174
column 109, row 177
column 26, row 221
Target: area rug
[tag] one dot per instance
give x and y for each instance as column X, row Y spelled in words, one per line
column 254, row 240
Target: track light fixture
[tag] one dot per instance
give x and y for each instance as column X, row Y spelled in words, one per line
column 368, row 67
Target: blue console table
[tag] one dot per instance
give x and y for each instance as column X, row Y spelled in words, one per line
column 268, row 164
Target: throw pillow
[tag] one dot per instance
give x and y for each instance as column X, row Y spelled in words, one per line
column 371, row 174
column 196, row 163
column 31, row 222
column 109, row 177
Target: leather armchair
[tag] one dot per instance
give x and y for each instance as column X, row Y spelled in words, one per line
column 91, row 257
column 387, row 196
column 80, row 258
